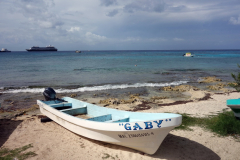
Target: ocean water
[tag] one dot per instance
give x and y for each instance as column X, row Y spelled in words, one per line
column 100, row 70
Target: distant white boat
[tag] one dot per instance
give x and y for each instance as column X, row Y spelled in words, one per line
column 188, row 54
column 4, row 50
column 77, row 51
column 141, row 131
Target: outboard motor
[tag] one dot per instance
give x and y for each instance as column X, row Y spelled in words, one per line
column 49, row 94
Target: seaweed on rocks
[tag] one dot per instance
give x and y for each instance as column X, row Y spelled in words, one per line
column 143, row 106
column 175, row 103
column 206, row 97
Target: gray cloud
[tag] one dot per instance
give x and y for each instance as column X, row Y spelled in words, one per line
column 108, row 2
column 145, row 5
column 180, row 24
column 177, row 8
column 39, row 13
column 113, row 13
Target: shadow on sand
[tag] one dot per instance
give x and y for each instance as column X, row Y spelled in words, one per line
column 176, row 147
column 7, row 126
column 172, row 148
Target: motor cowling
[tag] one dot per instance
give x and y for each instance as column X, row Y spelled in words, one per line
column 49, row 94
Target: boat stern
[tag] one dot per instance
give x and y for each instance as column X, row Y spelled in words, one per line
column 234, row 104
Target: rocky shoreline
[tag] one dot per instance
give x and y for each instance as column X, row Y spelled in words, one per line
column 20, row 124
column 13, row 105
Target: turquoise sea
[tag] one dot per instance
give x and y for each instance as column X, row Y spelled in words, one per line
column 101, row 70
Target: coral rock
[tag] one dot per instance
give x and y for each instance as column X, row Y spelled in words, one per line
column 209, row 80
column 181, row 88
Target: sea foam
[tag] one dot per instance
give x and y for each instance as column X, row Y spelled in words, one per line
column 96, row 88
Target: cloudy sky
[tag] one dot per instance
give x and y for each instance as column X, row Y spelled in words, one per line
column 120, row 24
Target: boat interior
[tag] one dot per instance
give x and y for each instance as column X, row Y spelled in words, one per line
column 84, row 112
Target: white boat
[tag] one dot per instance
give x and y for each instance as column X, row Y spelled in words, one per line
column 77, row 51
column 4, row 50
column 188, row 54
column 140, row 131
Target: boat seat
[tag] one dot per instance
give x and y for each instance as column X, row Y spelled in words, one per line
column 75, row 111
column 119, row 120
column 61, row 106
column 101, row 118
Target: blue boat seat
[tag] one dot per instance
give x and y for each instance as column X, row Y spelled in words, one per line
column 61, row 106
column 119, row 120
column 75, row 111
column 101, row 118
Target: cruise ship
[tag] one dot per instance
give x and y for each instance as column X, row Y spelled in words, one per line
column 48, row 48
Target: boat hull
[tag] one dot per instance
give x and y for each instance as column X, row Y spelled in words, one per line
column 234, row 104
column 143, row 136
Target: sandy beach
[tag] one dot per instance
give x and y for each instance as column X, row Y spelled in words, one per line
column 51, row 141
column 159, row 76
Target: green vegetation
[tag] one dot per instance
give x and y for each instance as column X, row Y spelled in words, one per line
column 236, row 84
column 7, row 154
column 106, row 156
column 223, row 124
column 188, row 121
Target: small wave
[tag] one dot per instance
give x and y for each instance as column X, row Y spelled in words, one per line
column 112, row 69
column 96, row 88
column 184, row 70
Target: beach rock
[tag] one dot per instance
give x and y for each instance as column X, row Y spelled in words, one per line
column 232, row 84
column 209, row 80
column 110, row 101
column 114, row 101
column 181, row 88
column 122, row 101
column 218, row 86
column 73, row 95
column 153, row 99
column 135, row 98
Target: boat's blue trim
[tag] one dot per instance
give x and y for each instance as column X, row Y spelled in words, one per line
column 60, row 105
column 233, row 102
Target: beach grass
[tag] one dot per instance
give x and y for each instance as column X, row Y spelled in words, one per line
column 188, row 121
column 223, row 124
column 236, row 84
column 8, row 154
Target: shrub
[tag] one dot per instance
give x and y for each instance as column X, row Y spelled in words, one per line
column 236, row 84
